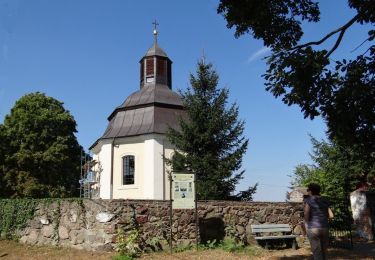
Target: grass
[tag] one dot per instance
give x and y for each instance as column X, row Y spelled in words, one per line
column 10, row 250
column 230, row 245
column 14, row 250
column 122, row 257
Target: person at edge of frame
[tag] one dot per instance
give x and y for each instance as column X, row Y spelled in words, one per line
column 316, row 214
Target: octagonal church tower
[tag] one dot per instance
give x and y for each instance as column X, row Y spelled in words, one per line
column 131, row 150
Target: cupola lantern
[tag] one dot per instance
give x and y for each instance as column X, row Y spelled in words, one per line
column 155, row 66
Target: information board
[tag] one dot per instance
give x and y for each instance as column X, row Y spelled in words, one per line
column 183, row 191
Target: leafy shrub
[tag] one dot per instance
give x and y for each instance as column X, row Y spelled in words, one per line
column 181, row 248
column 128, row 244
column 14, row 214
column 231, row 245
column 211, row 244
column 153, row 245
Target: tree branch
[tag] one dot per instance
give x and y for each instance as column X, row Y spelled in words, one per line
column 337, row 43
column 341, row 29
column 356, row 48
column 367, row 50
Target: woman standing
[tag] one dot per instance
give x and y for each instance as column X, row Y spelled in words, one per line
column 316, row 213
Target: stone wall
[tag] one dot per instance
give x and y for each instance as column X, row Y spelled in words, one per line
column 371, row 205
column 93, row 224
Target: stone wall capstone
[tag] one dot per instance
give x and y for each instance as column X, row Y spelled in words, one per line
column 93, row 224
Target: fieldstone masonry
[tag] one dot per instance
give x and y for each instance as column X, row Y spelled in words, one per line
column 93, row 224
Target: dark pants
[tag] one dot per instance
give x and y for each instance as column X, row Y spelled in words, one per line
column 319, row 238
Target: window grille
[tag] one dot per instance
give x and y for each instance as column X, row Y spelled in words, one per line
column 128, row 169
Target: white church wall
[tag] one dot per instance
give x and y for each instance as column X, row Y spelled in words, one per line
column 151, row 173
column 157, row 185
column 168, row 152
column 129, row 146
column 154, row 168
column 104, row 156
column 149, row 169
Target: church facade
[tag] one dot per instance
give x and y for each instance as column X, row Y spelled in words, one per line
column 130, row 154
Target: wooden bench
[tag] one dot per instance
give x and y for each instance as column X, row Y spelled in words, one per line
column 266, row 233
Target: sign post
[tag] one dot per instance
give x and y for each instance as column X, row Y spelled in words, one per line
column 183, row 195
column 170, row 213
column 183, row 191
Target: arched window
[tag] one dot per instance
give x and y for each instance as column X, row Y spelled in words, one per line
column 128, row 169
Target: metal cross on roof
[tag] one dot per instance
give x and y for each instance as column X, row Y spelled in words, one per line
column 155, row 23
column 203, row 56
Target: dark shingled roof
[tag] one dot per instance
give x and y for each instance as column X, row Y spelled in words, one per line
column 155, row 50
column 152, row 94
column 145, row 120
column 152, row 109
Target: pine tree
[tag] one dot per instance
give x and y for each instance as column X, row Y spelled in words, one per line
column 210, row 142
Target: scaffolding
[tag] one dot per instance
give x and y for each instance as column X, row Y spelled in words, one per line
column 90, row 177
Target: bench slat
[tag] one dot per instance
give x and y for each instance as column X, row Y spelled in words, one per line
column 266, row 230
column 273, row 228
column 270, row 228
column 275, row 237
column 269, row 225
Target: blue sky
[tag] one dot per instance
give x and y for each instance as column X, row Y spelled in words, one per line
column 85, row 53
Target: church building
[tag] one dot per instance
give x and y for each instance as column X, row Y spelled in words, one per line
column 130, row 154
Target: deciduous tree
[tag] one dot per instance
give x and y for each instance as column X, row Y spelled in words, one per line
column 339, row 170
column 41, row 156
column 340, row 89
column 2, row 157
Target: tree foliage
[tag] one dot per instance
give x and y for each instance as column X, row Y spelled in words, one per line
column 210, row 142
column 342, row 91
column 339, row 170
column 2, row 157
column 40, row 155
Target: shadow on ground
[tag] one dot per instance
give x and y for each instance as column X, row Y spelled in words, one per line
column 361, row 250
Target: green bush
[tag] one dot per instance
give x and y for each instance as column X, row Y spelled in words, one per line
column 14, row 214
column 231, row 245
column 128, row 244
column 182, row 248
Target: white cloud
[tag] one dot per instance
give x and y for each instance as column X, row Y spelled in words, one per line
column 259, row 53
